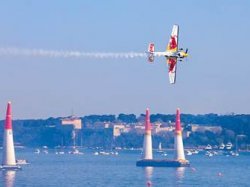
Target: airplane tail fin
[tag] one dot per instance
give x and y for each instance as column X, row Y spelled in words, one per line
column 150, row 52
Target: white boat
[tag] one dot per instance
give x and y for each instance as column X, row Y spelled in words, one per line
column 114, row 153
column 96, row 153
column 189, row 153
column 215, row 153
column 76, row 152
column 234, row 153
column 222, row 146
column 37, row 151
column 104, row 153
column 195, row 151
column 164, row 154
column 160, row 148
column 229, row 146
column 21, row 162
column 60, row 152
column 208, row 147
column 209, row 154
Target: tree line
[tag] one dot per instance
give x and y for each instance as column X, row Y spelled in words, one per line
column 33, row 133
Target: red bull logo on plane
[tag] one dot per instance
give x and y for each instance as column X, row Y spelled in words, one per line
column 171, row 62
column 172, row 46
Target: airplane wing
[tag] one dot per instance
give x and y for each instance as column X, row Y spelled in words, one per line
column 173, row 41
column 172, row 66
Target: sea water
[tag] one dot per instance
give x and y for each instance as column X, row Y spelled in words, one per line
column 59, row 170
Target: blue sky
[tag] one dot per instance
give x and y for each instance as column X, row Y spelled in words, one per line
column 214, row 78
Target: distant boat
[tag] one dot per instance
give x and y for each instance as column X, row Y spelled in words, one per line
column 229, row 146
column 104, row 153
column 209, row 154
column 194, row 151
column 37, row 151
column 236, row 154
column 208, row 147
column 222, row 146
column 164, row 154
column 189, row 153
column 114, row 153
column 76, row 152
column 232, row 153
column 96, row 153
column 60, row 152
column 22, row 161
column 160, row 148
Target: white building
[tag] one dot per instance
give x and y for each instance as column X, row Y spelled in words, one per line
column 72, row 120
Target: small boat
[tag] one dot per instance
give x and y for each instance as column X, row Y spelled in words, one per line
column 37, row 151
column 96, row 153
column 164, row 154
column 214, row 152
column 234, row 153
column 208, row 147
column 104, row 153
column 76, row 152
column 209, row 154
column 189, row 153
column 10, row 167
column 60, row 152
column 21, row 162
column 114, row 153
column 160, row 148
column 222, row 146
column 195, row 151
column 229, row 146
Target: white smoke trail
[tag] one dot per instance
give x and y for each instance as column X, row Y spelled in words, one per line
column 12, row 51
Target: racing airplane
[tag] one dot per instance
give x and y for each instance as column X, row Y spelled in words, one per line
column 172, row 54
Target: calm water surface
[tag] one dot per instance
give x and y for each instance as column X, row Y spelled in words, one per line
column 113, row 171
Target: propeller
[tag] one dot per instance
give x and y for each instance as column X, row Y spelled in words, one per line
column 187, row 54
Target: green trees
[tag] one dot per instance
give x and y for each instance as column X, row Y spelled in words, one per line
column 49, row 132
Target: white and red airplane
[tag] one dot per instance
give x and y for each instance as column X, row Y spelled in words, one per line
column 172, row 53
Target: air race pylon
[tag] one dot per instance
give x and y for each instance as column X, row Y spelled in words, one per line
column 148, row 161
column 147, row 144
column 9, row 159
column 178, row 143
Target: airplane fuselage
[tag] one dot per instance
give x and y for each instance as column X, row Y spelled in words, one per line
column 168, row 54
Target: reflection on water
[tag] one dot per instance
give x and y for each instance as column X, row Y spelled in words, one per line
column 179, row 175
column 9, row 178
column 148, row 175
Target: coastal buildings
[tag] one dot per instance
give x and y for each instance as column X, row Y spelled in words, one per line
column 76, row 123
column 72, row 120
